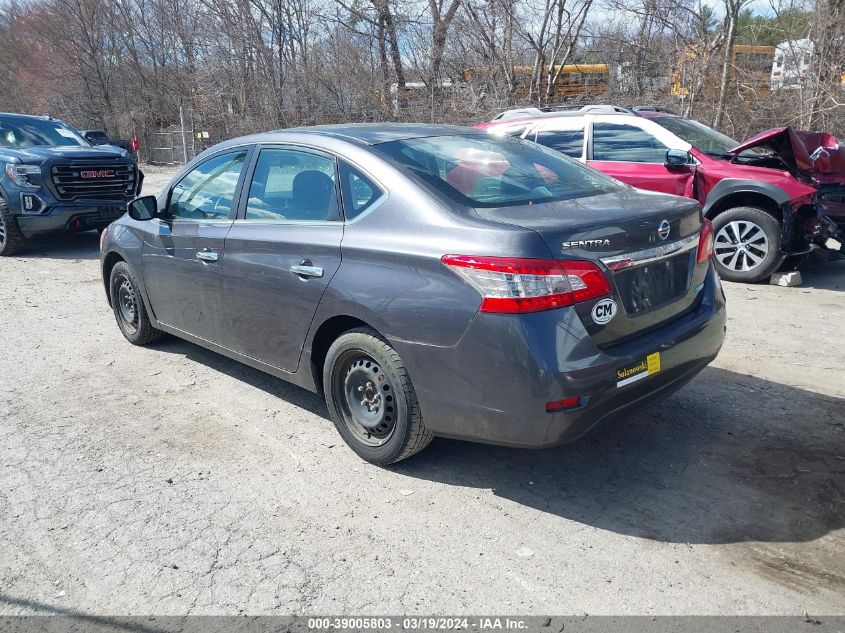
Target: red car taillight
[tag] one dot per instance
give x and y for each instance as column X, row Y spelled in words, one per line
column 705, row 242
column 512, row 285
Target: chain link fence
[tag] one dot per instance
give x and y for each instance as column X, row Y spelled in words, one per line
column 170, row 146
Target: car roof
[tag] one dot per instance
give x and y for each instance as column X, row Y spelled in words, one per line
column 366, row 133
column 648, row 114
column 16, row 115
column 645, row 112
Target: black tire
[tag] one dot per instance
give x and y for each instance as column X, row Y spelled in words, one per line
column 128, row 306
column 386, row 426
column 11, row 238
column 747, row 244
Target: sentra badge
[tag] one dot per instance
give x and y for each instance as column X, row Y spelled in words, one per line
column 602, row 243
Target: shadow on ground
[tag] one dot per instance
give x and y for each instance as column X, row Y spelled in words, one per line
column 69, row 246
column 730, row 458
column 824, row 270
column 302, row 398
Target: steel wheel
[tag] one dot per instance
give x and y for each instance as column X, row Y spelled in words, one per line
column 365, row 398
column 126, row 302
column 741, row 245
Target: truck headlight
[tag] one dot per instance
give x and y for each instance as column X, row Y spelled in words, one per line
column 24, row 175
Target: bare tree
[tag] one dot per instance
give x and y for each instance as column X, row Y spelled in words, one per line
column 732, row 9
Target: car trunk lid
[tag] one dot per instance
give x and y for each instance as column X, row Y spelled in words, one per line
column 645, row 243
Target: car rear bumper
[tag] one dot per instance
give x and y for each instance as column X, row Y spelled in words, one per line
column 494, row 385
column 71, row 218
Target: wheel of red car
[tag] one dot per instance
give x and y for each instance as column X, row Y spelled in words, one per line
column 747, row 244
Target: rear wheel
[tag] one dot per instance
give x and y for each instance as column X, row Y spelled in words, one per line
column 371, row 399
column 11, row 238
column 747, row 244
column 129, row 309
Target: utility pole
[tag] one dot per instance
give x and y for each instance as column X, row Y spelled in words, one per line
column 182, row 128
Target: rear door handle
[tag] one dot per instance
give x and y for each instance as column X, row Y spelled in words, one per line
column 305, row 270
column 207, row 256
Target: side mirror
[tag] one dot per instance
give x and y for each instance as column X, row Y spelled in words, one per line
column 143, row 208
column 677, row 157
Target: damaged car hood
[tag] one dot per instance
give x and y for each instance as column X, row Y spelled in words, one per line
column 817, row 154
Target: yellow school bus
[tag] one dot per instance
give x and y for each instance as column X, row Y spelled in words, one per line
column 572, row 79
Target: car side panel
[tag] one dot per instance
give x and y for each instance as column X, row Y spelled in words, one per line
column 718, row 178
column 125, row 239
column 652, row 176
column 391, row 275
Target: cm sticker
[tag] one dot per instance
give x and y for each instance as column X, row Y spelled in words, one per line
column 604, row 311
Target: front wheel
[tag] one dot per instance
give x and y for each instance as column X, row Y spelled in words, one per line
column 746, row 247
column 11, row 238
column 371, row 399
column 129, row 309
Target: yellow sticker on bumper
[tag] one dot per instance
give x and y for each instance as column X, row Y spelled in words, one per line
column 643, row 369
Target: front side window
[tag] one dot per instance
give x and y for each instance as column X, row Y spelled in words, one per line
column 359, row 192
column 491, row 171
column 19, row 132
column 293, row 185
column 626, row 143
column 569, row 142
column 698, row 135
column 208, row 191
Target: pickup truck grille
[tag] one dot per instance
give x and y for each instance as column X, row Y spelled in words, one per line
column 94, row 181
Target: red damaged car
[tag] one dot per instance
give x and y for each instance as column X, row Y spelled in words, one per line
column 769, row 198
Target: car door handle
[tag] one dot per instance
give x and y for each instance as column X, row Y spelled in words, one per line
column 207, row 256
column 304, row 270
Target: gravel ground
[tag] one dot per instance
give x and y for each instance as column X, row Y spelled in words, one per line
column 170, row 480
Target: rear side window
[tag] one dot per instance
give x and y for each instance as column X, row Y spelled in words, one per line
column 626, row 143
column 490, row 171
column 359, row 192
column 569, row 142
column 293, row 185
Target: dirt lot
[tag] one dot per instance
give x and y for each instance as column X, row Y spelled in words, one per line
column 171, row 480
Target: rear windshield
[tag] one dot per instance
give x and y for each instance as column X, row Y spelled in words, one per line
column 23, row 132
column 97, row 137
column 480, row 171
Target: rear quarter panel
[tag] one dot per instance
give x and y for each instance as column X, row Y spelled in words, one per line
column 391, row 274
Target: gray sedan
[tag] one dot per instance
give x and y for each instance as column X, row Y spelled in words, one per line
column 428, row 280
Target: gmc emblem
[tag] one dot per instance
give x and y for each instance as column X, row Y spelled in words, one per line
column 103, row 173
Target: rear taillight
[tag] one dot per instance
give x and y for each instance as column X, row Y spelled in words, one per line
column 705, row 242
column 509, row 284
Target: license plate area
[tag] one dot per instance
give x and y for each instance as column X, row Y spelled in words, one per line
column 111, row 213
column 644, row 288
column 638, row 370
